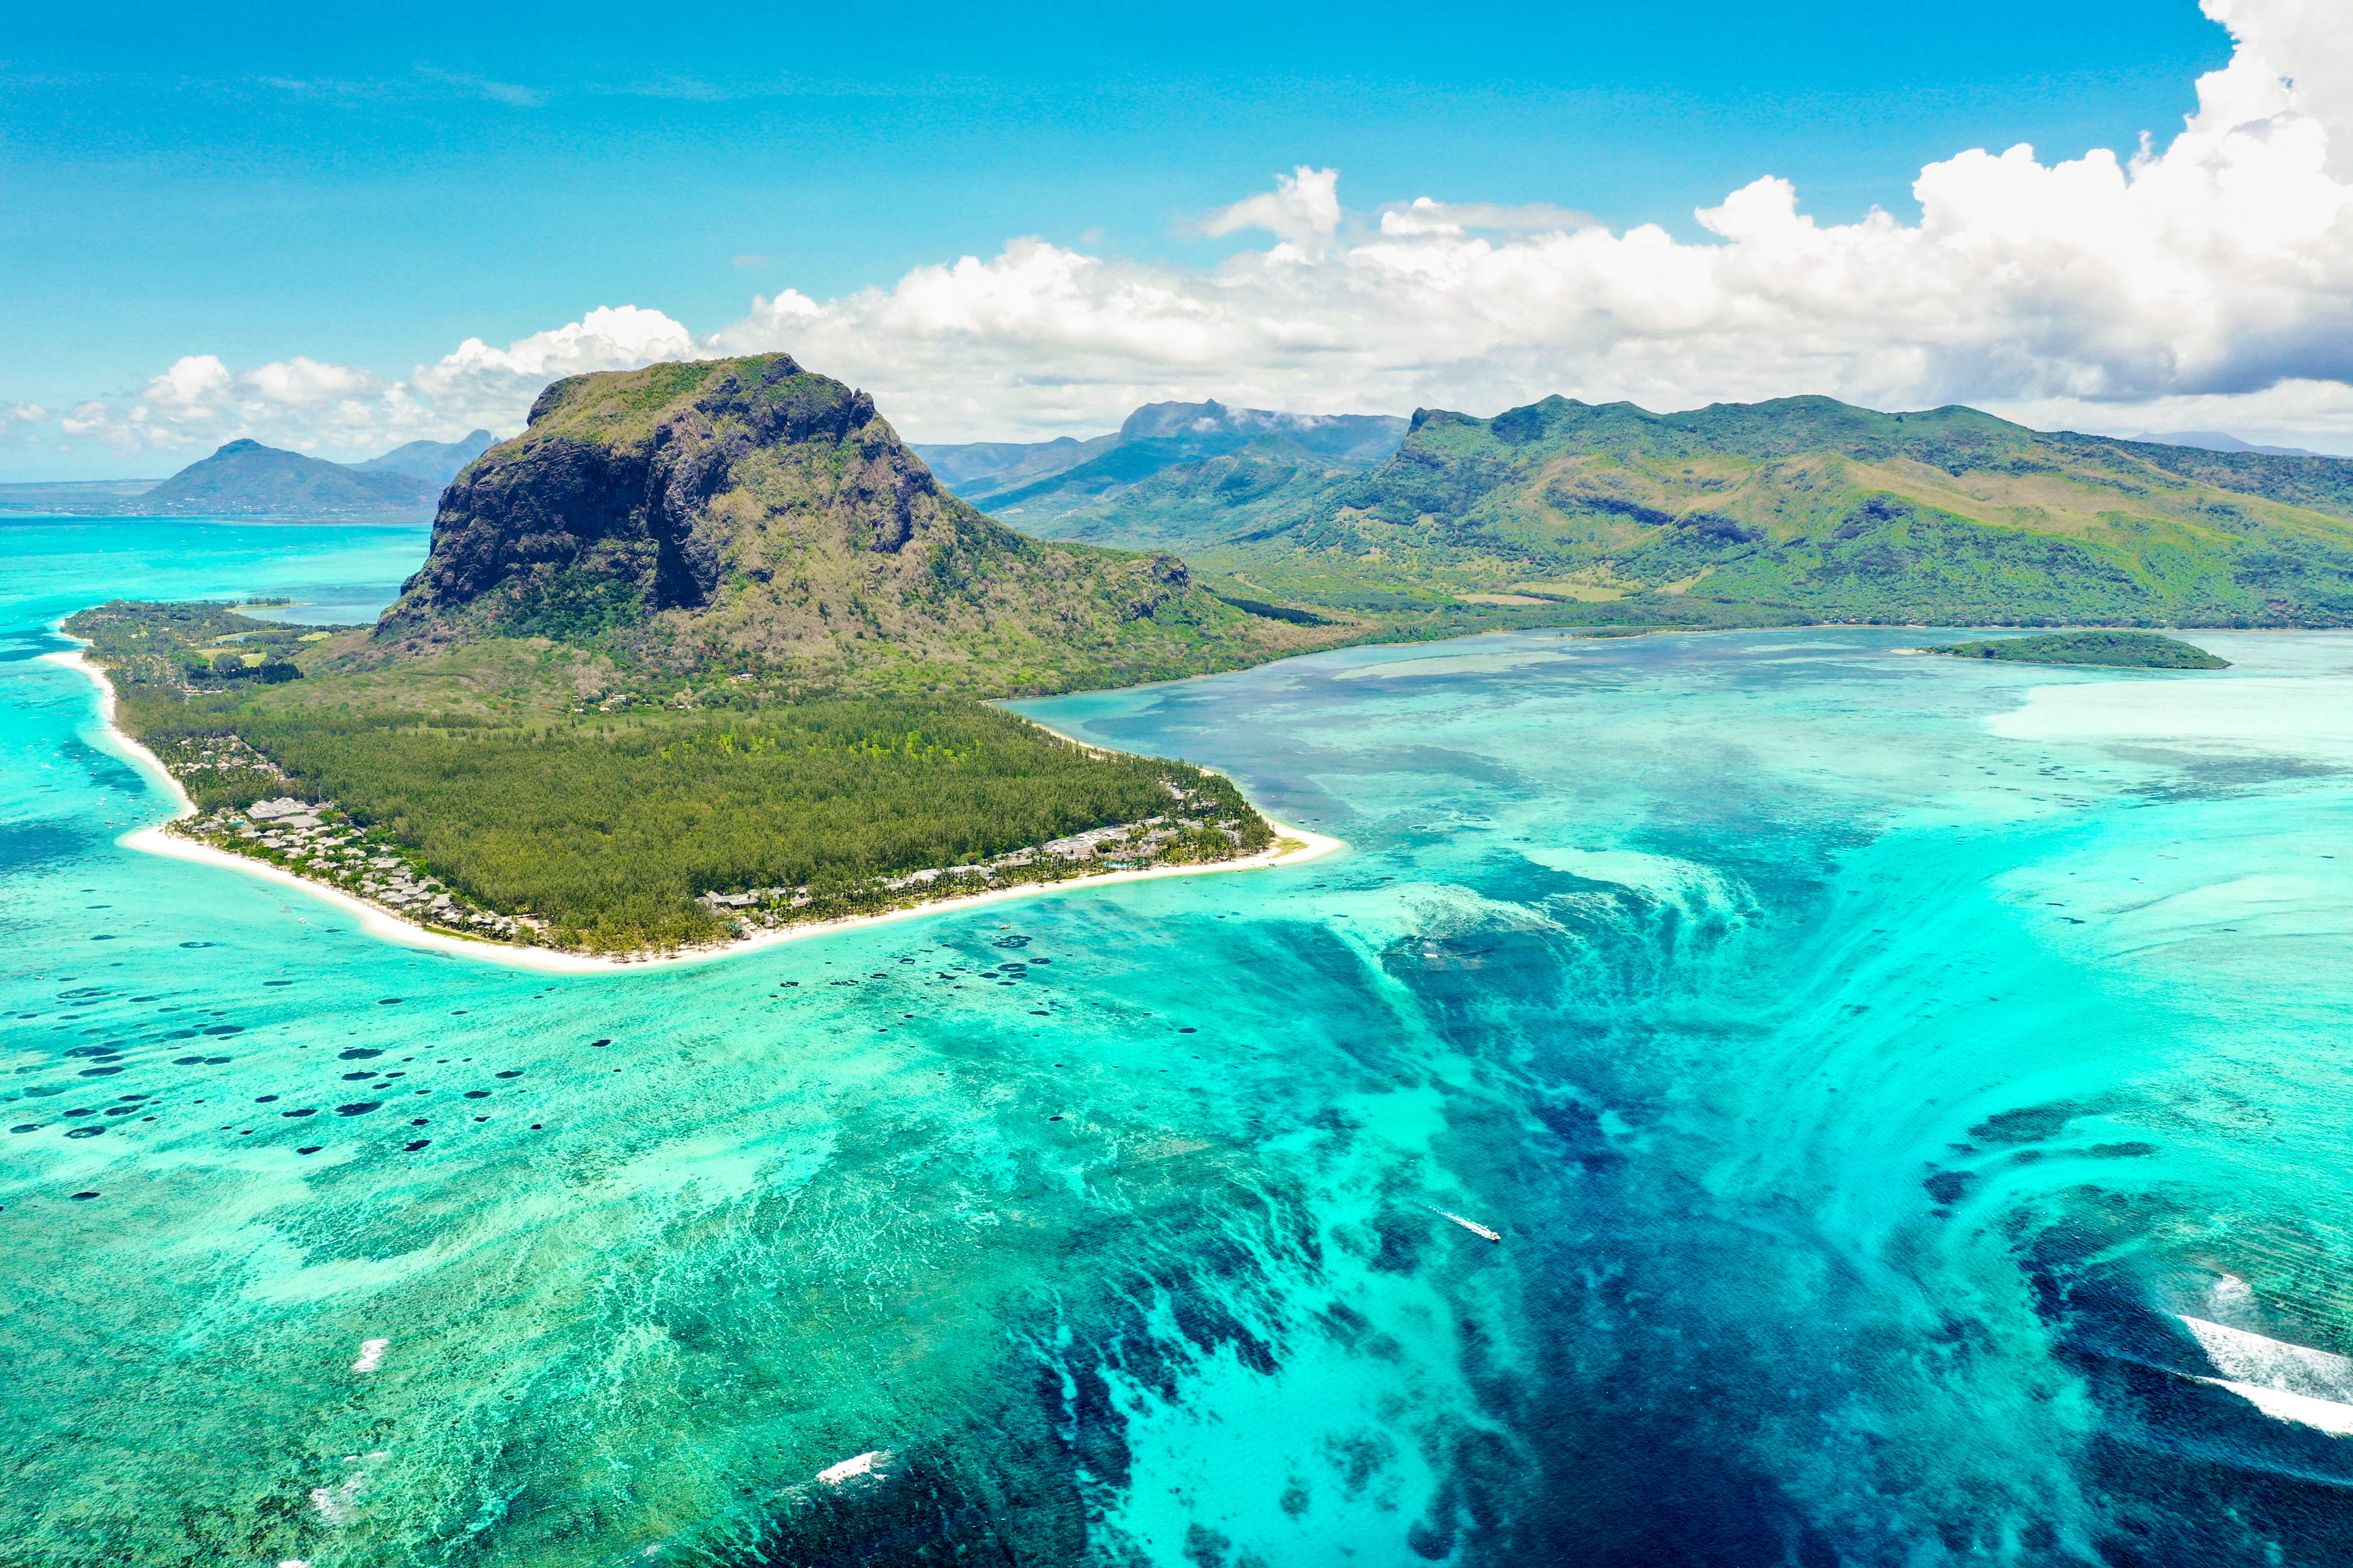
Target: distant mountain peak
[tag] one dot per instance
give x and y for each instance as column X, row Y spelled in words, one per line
column 435, row 462
column 246, row 479
column 2220, row 441
column 1032, row 482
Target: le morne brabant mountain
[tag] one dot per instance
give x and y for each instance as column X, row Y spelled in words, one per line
column 1801, row 509
column 747, row 515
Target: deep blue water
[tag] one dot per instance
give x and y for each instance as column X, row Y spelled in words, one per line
column 1909, row 1090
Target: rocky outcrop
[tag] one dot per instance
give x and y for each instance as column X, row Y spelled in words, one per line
column 751, row 511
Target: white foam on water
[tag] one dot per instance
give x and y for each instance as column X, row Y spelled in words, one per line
column 339, row 1505
column 862, row 1465
column 371, row 1354
column 2326, row 1414
column 1698, row 889
column 2285, row 1382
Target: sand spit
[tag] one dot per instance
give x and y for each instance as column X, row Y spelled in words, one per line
column 1292, row 846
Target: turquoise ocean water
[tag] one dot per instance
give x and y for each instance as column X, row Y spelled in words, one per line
column 1878, row 1067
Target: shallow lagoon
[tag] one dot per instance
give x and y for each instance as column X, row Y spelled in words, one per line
column 1868, row 1060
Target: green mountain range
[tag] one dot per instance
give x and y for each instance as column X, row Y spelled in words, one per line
column 1798, row 508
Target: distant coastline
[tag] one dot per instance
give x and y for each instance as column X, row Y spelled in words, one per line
column 1292, row 846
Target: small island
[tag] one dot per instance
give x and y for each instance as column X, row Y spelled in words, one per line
column 2128, row 650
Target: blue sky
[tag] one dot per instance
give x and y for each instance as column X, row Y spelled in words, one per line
column 278, row 181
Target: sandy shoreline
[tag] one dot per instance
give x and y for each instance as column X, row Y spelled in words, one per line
column 377, row 920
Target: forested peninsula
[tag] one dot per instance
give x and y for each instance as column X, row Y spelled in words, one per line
column 704, row 651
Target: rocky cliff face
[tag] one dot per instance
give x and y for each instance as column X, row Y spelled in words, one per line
column 748, row 511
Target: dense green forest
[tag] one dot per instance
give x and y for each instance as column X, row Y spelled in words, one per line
column 608, row 826
column 2135, row 650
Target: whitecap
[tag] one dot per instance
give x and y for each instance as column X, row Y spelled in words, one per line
column 371, row 1354
column 339, row 1505
column 862, row 1464
column 2286, row 1382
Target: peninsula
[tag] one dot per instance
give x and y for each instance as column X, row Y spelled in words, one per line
column 704, row 653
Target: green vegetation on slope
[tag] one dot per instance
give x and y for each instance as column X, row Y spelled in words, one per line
column 1798, row 508
column 749, row 516
column 2135, row 650
column 608, row 826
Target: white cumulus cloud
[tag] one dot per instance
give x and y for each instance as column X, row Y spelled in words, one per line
column 1303, row 210
column 2211, row 277
column 2203, row 281
column 313, row 406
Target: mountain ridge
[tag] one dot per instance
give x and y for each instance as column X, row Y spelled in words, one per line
column 1801, row 507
